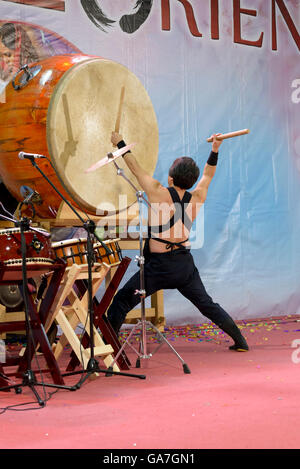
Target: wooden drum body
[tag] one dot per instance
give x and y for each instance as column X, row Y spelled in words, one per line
column 75, row 251
column 38, row 247
column 66, row 111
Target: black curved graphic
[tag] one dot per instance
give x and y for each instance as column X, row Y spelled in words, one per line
column 128, row 23
column 131, row 23
column 96, row 15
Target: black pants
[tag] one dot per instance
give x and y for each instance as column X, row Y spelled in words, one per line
column 171, row 270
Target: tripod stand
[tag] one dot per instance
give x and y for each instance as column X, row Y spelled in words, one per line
column 29, row 378
column 143, row 323
column 89, row 226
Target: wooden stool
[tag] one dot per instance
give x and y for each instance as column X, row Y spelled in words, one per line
column 37, row 316
column 100, row 319
column 69, row 317
column 14, row 317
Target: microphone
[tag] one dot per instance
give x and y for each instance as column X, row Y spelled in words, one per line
column 29, row 156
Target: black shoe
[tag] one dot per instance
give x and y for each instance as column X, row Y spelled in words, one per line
column 241, row 346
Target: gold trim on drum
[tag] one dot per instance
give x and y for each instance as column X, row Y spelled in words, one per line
column 66, row 242
column 29, row 260
column 17, row 230
column 108, row 241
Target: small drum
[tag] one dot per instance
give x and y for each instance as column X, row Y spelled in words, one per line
column 74, row 251
column 38, row 247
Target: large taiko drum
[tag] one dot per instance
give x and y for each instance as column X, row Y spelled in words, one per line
column 65, row 108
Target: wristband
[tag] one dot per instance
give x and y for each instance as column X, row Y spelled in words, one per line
column 122, row 144
column 213, row 159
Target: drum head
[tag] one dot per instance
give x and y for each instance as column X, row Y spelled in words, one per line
column 81, row 117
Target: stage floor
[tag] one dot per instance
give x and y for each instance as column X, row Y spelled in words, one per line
column 230, row 400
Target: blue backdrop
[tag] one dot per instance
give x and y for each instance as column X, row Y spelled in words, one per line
column 241, row 72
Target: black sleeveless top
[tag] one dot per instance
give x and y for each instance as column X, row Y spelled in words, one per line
column 180, row 213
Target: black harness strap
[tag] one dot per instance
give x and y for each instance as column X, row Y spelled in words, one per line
column 179, row 214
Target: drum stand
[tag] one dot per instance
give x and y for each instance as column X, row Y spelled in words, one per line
column 143, row 323
column 89, row 226
column 29, row 378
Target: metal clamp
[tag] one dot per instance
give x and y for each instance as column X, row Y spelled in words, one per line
column 27, row 75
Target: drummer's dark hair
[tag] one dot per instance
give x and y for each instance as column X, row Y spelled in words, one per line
column 128, row 23
column 184, row 172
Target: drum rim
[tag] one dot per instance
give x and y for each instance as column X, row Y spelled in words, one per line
column 107, row 241
column 71, row 241
column 30, row 260
column 18, row 230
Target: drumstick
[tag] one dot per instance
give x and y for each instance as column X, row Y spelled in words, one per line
column 117, row 126
column 67, row 117
column 109, row 158
column 237, row 133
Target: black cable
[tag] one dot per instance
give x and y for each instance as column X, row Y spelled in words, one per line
column 14, row 407
column 25, row 286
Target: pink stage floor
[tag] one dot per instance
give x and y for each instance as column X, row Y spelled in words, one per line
column 230, row 400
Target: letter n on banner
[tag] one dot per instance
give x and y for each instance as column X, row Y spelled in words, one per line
column 288, row 19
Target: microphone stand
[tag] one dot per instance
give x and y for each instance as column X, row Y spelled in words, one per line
column 89, row 226
column 142, row 323
column 29, row 378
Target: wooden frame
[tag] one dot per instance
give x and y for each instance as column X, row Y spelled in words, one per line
column 51, row 4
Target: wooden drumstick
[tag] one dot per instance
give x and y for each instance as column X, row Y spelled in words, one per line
column 237, row 133
column 117, row 126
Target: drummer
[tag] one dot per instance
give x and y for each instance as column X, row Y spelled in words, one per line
column 168, row 260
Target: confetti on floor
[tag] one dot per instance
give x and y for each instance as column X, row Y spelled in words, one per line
column 208, row 332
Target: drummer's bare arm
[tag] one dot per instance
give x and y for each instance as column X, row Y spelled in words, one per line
column 147, row 182
column 201, row 189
